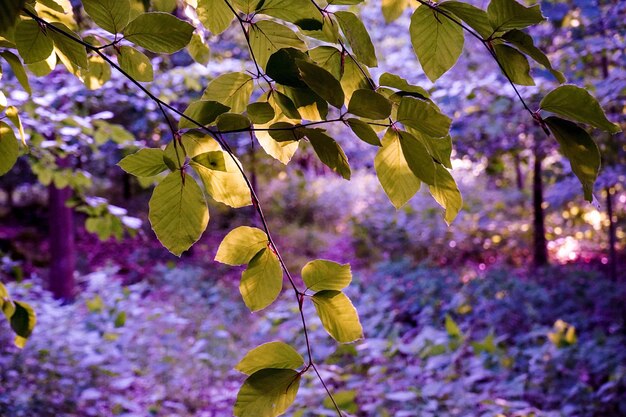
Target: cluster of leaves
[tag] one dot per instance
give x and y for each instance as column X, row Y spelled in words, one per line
column 298, row 87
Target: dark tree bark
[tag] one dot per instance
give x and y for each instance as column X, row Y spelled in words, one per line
column 540, row 251
column 519, row 176
column 62, row 247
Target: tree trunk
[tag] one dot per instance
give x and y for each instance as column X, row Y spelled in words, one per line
column 540, row 252
column 62, row 248
column 612, row 234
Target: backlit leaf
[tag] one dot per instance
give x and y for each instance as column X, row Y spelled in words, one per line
column 417, row 157
column 515, row 65
column 32, row 43
column 241, row 245
column 135, row 63
column 146, row 162
column 525, row 43
column 202, row 111
column 358, row 37
column 18, row 69
column 392, row 9
column 267, row 393
column 329, row 152
column 364, row 131
column 267, row 37
column 437, row 41
column 71, row 53
column 369, row 104
column 338, row 315
column 110, row 15
column 159, row 32
column 178, row 212
column 215, row 15
column 505, row 15
column 9, row 148
column 23, row 322
column 423, row 116
column 274, row 355
column 232, row 89
column 321, row 82
column 322, row 275
column 577, row 104
column 476, row 18
column 446, row 193
column 262, row 281
column 394, row 174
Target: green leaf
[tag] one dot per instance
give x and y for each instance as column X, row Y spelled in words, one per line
column 577, row 104
column 202, row 111
column 394, row 174
column 23, row 322
column 329, row 32
column 199, row 50
column 505, row 15
column 423, row 116
column 232, row 89
column 309, row 104
column 18, row 69
column 232, row 122
column 364, row 131
column 6, row 304
column 321, row 82
column 446, row 193
column 146, row 162
column 417, row 157
column 32, row 43
column 159, row 32
column 241, row 245
column 260, row 112
column 286, row 105
column 178, row 212
column 262, row 281
column 9, row 10
column 525, row 43
column 228, row 187
column 286, row 132
column 320, row 275
column 282, row 68
column 45, row 67
column 338, row 315
column 98, row 73
column 352, row 79
column 215, row 15
column 476, row 18
column 392, row 9
column 71, row 53
column 358, row 37
column 437, row 41
column 328, row 58
column 274, row 355
column 9, row 148
column 582, row 152
column 439, row 148
column 267, row 393
column 135, row 63
column 212, row 160
column 13, row 115
column 452, row 328
column 515, row 65
column 329, row 152
column 267, row 37
column 110, row 15
column 303, row 13
column 397, row 82
column 369, row 104
column 282, row 151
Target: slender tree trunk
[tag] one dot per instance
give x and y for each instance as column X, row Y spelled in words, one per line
column 540, row 251
column 612, row 234
column 62, row 248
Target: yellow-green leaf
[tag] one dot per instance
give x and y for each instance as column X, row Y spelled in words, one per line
column 231, row 89
column 322, row 275
column 241, row 245
column 215, row 15
column 262, row 281
column 32, row 43
column 9, row 148
column 267, row 393
column 135, row 63
column 159, row 32
column 338, row 315
column 23, row 322
column 274, row 355
column 446, row 193
column 110, row 15
column 178, row 212
column 358, row 37
column 146, row 162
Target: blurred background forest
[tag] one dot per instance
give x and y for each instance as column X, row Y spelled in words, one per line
column 517, row 309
